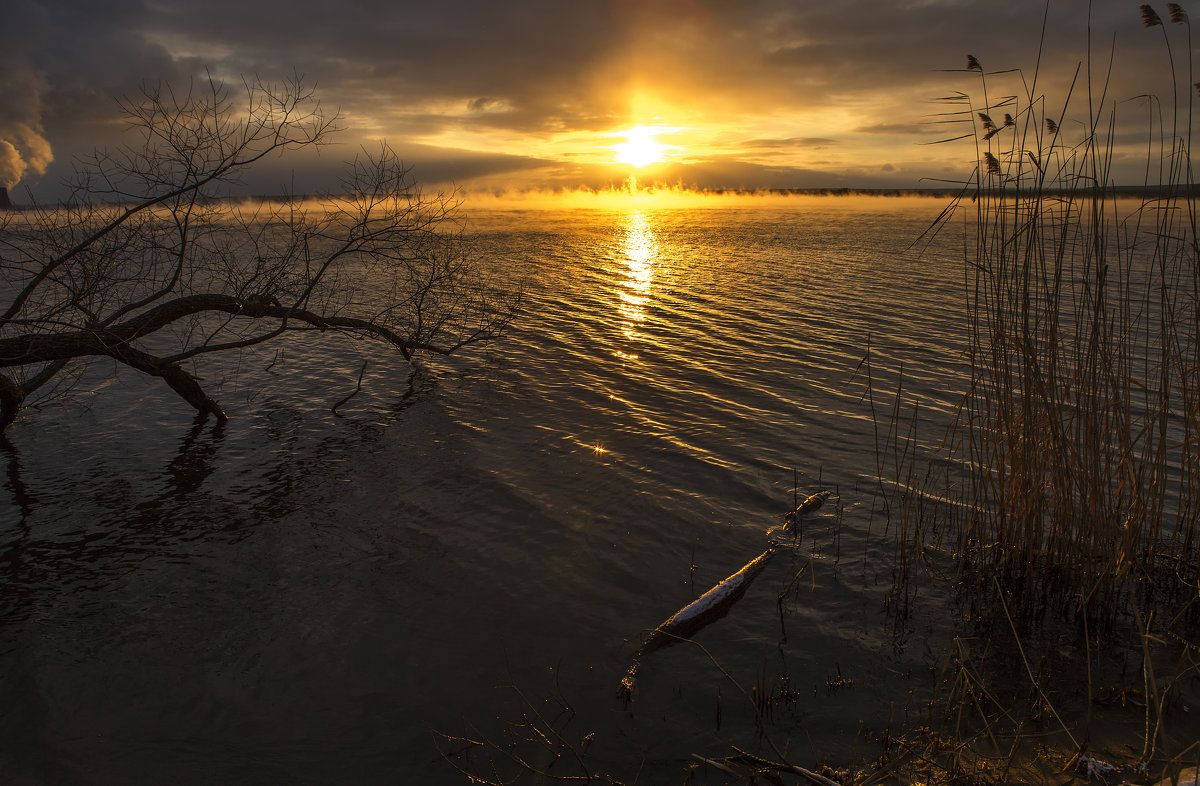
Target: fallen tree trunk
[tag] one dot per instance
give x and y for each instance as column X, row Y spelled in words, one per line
column 712, row 605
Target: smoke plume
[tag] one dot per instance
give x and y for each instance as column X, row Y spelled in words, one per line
column 23, row 146
column 22, row 149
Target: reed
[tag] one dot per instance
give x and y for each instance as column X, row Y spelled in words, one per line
column 1074, row 460
column 1066, row 486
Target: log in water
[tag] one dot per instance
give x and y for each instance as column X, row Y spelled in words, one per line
column 714, row 604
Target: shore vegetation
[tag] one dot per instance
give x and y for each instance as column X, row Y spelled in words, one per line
column 1061, row 506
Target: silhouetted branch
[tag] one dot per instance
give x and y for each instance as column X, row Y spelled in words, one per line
column 148, row 251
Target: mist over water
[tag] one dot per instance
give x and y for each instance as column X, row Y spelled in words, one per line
column 299, row 596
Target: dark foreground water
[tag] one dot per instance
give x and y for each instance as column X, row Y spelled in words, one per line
column 303, row 597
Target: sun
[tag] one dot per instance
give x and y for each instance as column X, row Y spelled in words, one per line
column 641, row 149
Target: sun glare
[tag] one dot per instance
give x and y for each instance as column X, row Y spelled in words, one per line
column 641, row 149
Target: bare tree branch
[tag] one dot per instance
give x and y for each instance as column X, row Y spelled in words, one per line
column 148, row 249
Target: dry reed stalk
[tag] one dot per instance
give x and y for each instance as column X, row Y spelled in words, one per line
column 1071, row 470
column 1077, row 438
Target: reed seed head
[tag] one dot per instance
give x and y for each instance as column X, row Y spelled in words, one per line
column 1052, row 127
column 993, row 166
column 1178, row 15
column 988, row 125
column 973, row 64
column 1150, row 17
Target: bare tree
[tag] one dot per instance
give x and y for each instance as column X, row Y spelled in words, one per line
column 145, row 265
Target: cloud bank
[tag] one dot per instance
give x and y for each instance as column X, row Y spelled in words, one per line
column 787, row 92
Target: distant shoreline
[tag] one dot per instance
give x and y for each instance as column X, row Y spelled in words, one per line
column 944, row 192
column 1111, row 192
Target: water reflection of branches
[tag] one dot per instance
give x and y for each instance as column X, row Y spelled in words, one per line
column 21, row 495
column 193, row 461
column 185, row 506
column 16, row 544
column 415, row 374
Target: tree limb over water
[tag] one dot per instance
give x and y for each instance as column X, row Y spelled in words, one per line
column 148, row 264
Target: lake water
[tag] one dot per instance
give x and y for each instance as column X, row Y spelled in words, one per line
column 299, row 596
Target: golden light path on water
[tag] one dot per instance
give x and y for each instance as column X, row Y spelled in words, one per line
column 641, row 256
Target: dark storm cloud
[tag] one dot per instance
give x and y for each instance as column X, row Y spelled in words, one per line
column 314, row 172
column 536, row 57
column 70, row 59
column 412, row 71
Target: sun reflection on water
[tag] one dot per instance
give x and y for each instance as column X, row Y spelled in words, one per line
column 641, row 255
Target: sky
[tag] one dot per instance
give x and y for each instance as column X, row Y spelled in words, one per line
column 505, row 96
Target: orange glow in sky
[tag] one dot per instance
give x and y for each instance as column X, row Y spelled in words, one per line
column 772, row 95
